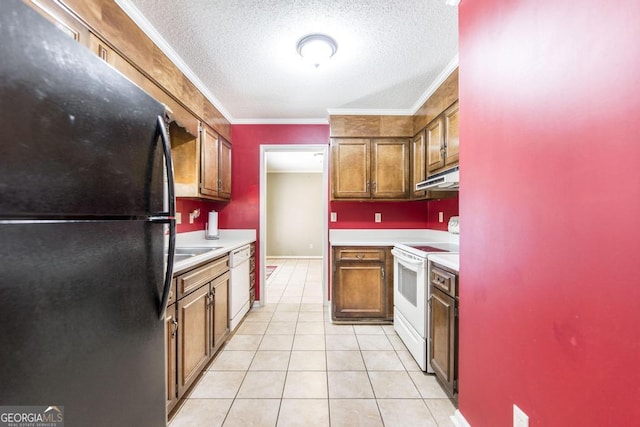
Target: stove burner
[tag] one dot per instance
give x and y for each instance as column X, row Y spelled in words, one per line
column 429, row 249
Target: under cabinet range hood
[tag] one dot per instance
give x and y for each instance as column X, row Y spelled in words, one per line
column 448, row 180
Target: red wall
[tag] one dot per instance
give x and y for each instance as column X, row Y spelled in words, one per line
column 394, row 214
column 448, row 207
column 244, row 209
column 550, row 198
column 185, row 206
column 399, row 215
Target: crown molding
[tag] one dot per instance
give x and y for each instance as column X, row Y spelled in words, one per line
column 368, row 112
column 166, row 48
column 450, row 68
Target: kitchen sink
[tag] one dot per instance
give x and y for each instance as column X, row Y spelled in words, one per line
column 192, row 251
column 181, row 257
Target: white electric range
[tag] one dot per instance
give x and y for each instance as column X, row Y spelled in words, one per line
column 411, row 295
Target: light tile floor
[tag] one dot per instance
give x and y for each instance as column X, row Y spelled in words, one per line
column 288, row 365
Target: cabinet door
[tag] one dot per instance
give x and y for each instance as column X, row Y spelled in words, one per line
column 452, row 140
column 111, row 57
column 171, row 340
column 390, row 168
column 220, row 311
column 442, row 337
column 435, row 144
column 350, row 168
column 193, row 336
column 419, row 167
column 359, row 290
column 225, row 169
column 55, row 13
column 209, row 183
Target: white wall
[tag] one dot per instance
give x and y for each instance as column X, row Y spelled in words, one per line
column 294, row 214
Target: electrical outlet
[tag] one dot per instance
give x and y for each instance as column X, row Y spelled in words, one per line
column 178, row 218
column 520, row 419
column 334, row 217
column 378, row 217
column 440, row 216
column 310, row 245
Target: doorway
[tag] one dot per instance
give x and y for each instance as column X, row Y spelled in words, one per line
column 294, row 185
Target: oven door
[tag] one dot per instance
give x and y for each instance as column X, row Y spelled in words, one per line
column 409, row 290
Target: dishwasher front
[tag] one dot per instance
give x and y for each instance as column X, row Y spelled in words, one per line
column 239, row 285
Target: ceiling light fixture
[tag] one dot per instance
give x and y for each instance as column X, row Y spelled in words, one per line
column 317, row 48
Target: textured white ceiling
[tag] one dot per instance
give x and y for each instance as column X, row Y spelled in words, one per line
column 389, row 52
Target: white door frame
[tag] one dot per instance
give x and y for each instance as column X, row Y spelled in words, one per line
column 324, row 149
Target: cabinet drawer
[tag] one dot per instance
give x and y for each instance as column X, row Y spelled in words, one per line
column 360, row 254
column 195, row 278
column 444, row 280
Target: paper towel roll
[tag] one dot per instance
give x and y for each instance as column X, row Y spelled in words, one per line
column 212, row 226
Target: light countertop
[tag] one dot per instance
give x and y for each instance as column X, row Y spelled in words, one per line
column 228, row 241
column 448, row 260
column 375, row 237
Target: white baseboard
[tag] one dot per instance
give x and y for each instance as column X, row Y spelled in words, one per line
column 458, row 419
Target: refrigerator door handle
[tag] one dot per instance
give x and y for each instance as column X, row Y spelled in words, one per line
column 166, row 145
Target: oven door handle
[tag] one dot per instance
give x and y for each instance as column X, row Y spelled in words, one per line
column 406, row 261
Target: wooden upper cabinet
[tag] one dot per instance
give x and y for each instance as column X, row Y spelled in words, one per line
column 443, row 142
column 350, row 168
column 364, row 168
column 452, row 139
column 434, row 134
column 215, row 167
column 419, row 167
column 57, row 14
column 117, row 61
column 224, row 169
column 210, row 144
column 390, row 168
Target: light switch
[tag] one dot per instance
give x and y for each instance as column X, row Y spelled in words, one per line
column 178, row 218
column 440, row 216
column 378, row 217
column 334, row 217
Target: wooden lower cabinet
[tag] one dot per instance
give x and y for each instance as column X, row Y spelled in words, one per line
column 193, row 336
column 196, row 325
column 362, row 285
column 443, row 328
column 219, row 311
column 171, row 340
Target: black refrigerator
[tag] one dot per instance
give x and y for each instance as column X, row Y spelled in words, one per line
column 86, row 231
